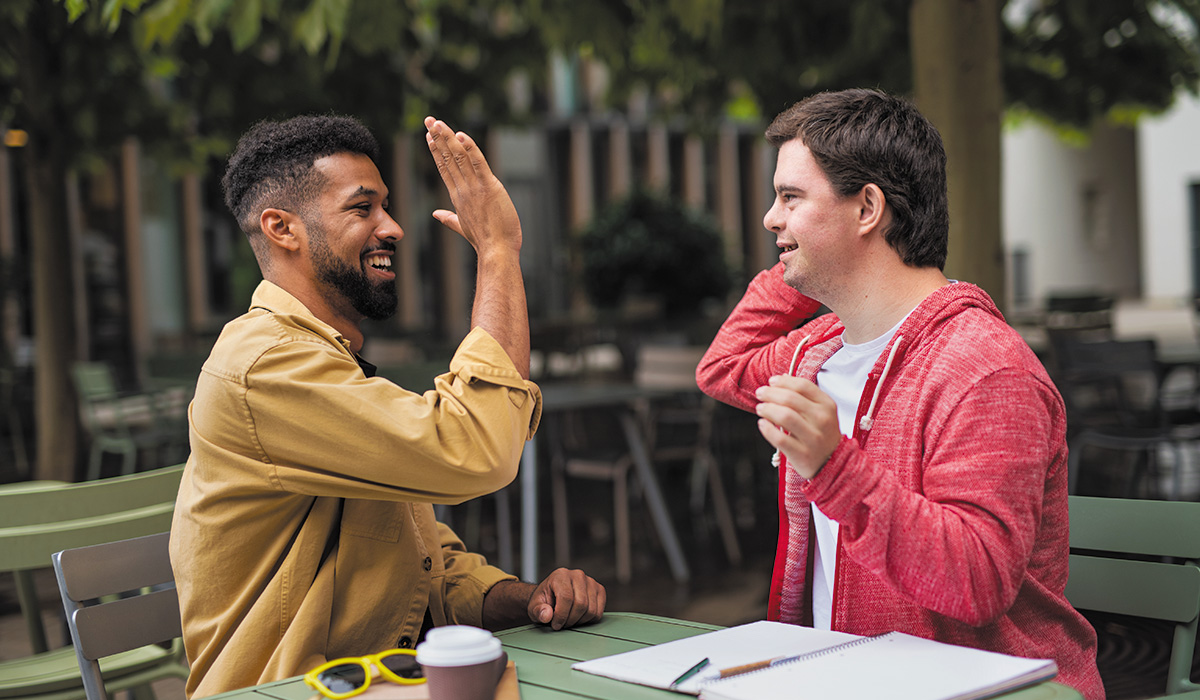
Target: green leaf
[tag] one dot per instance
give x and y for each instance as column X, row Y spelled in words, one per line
column 310, row 28
column 164, row 20
column 75, row 8
column 206, row 16
column 245, row 24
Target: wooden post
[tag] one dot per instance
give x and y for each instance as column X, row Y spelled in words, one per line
column 729, row 194
column 135, row 275
column 195, row 258
column 404, row 209
column 620, row 165
column 658, row 158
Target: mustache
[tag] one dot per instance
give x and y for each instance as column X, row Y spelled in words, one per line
column 384, row 246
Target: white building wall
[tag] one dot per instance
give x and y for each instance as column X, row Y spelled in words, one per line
column 1072, row 212
column 1169, row 162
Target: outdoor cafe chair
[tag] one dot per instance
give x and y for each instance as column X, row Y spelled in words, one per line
column 103, row 626
column 39, row 519
column 1140, row 558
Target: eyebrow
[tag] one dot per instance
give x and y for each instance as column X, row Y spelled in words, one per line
column 789, row 189
column 362, row 190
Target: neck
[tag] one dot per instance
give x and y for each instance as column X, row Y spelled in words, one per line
column 345, row 321
column 870, row 310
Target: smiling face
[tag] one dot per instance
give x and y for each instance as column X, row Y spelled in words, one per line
column 815, row 227
column 351, row 238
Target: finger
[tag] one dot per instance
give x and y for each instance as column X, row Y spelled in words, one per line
column 597, row 599
column 435, row 137
column 474, row 156
column 447, row 151
column 564, row 601
column 448, row 219
column 581, row 599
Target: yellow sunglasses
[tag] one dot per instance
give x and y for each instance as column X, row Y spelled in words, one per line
column 345, row 678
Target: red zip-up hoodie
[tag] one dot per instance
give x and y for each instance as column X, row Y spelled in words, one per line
column 951, row 494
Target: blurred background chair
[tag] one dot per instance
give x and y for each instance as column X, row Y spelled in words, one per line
column 39, row 519
column 1135, row 435
column 102, row 625
column 1140, row 558
column 128, row 423
column 675, row 421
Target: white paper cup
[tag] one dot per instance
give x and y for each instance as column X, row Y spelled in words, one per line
column 461, row 663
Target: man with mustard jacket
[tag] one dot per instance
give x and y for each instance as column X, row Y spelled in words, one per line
column 304, row 529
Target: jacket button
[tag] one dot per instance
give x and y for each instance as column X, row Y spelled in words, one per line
column 428, row 563
column 405, row 642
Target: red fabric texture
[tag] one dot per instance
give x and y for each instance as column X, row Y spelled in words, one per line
column 953, row 505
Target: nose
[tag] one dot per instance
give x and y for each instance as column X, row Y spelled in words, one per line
column 389, row 230
column 771, row 220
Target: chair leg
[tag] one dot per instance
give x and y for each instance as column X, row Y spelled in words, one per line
column 558, row 501
column 504, row 541
column 31, row 610
column 724, row 515
column 621, row 525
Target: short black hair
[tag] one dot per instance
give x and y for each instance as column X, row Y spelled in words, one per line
column 862, row 136
column 272, row 164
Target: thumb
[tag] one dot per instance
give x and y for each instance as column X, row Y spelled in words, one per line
column 544, row 613
column 449, row 219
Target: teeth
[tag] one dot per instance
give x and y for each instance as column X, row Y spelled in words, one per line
column 382, row 262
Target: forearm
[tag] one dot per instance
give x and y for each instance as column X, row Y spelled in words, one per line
column 500, row 307
column 752, row 343
column 507, row 605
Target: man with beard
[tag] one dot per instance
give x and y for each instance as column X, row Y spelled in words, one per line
column 304, row 528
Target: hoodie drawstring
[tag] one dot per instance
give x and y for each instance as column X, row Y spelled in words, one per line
column 866, row 422
column 775, row 458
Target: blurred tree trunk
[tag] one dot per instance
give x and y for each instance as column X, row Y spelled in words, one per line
column 957, row 84
column 53, row 317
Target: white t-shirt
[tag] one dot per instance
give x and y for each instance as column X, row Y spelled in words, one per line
column 843, row 377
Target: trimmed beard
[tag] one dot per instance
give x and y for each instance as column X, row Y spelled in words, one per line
column 374, row 301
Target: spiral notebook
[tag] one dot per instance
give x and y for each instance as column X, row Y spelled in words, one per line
column 823, row 665
column 896, row 666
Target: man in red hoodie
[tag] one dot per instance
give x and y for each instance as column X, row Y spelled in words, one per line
column 920, row 444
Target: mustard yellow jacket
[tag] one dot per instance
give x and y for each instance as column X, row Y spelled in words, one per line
column 304, row 529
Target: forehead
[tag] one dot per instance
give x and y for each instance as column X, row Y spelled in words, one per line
column 795, row 166
column 348, row 173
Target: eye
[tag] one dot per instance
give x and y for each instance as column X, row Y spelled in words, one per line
column 364, row 208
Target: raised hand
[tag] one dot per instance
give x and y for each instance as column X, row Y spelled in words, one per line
column 484, row 213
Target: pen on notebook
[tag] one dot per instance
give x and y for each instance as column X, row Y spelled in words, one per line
column 689, row 673
column 753, row 666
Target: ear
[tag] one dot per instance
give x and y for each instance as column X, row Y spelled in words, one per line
column 281, row 228
column 872, row 211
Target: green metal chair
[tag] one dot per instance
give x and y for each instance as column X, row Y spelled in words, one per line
column 103, row 625
column 1161, row 583
column 36, row 522
column 127, row 423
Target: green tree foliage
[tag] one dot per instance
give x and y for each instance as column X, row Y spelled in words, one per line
column 1073, row 62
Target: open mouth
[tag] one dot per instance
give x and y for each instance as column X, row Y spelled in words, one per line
column 380, row 262
column 788, row 248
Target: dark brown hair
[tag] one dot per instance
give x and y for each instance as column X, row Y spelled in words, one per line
column 863, row 136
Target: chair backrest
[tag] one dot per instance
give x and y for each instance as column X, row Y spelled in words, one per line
column 102, row 626
column 1109, row 378
column 668, row 367
column 38, row 519
column 94, row 380
column 35, row 523
column 1140, row 558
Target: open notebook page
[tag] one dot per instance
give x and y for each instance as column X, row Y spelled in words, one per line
column 658, row 665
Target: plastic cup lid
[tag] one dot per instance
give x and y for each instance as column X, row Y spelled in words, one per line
column 457, row 645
